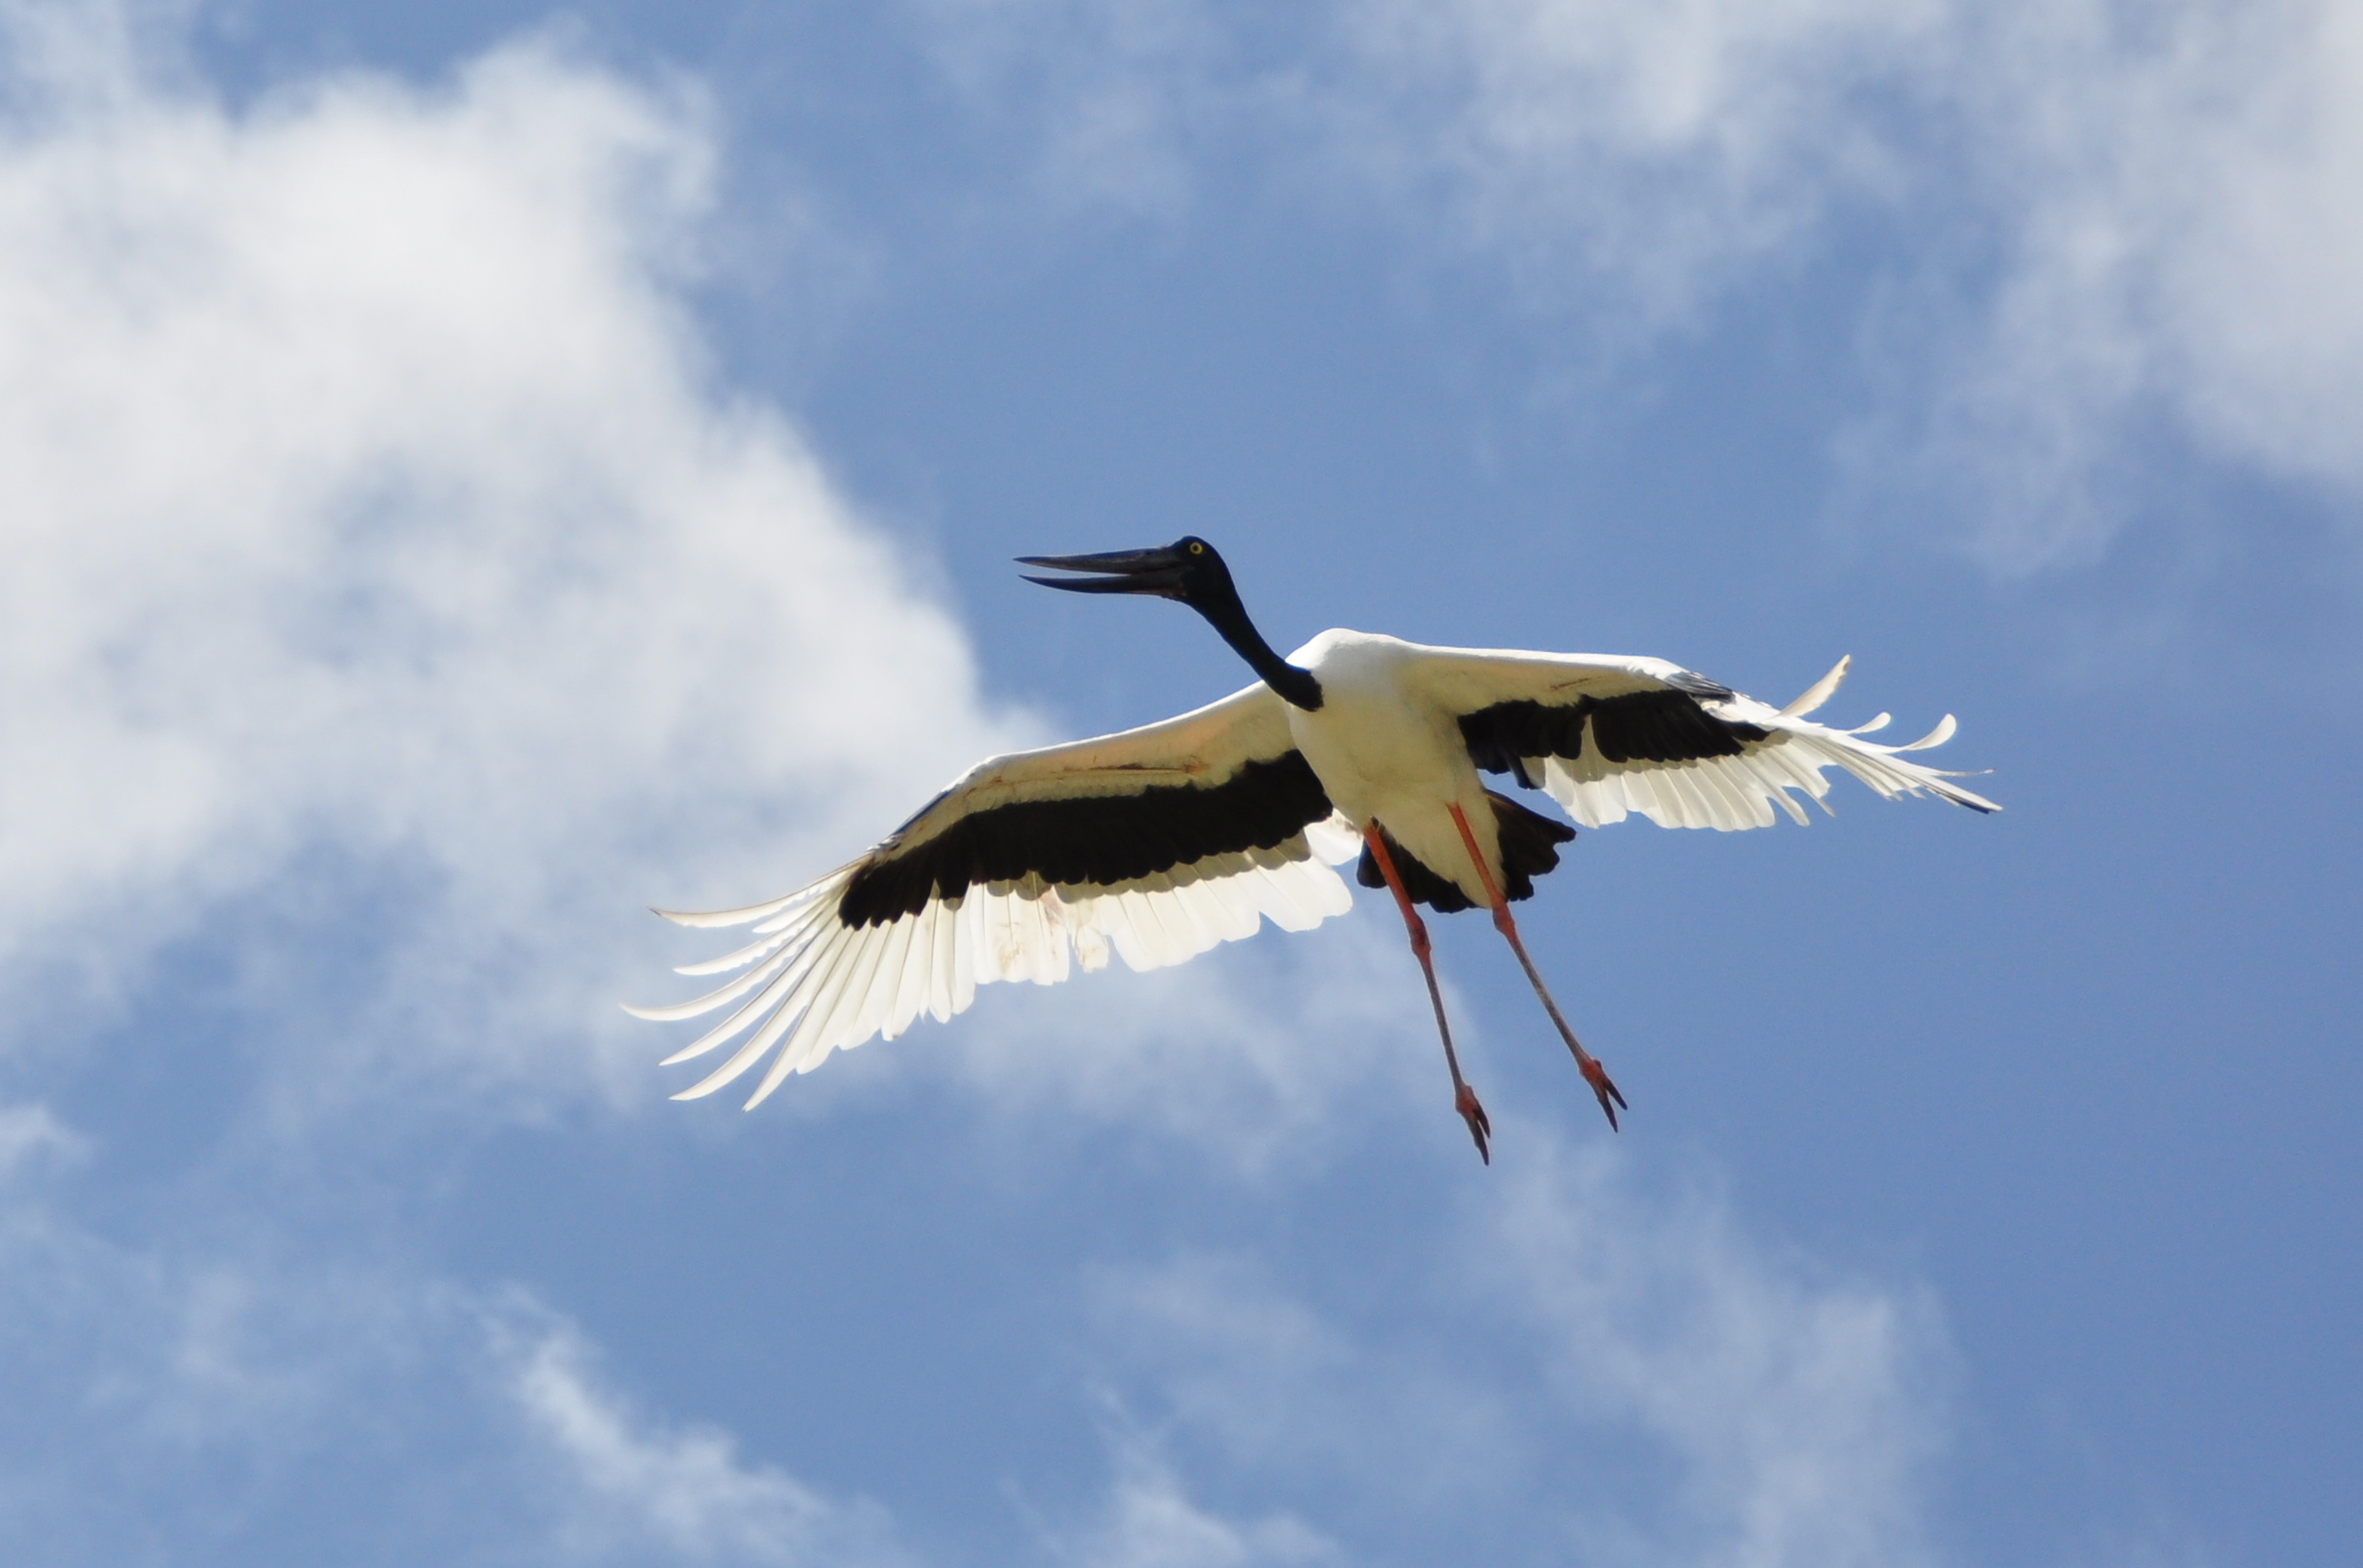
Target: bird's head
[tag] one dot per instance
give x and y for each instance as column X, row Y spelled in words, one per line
column 1189, row 570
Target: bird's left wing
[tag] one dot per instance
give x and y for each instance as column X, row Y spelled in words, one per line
column 1157, row 843
column 1607, row 735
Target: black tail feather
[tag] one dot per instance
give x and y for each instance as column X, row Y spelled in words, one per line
column 1530, row 848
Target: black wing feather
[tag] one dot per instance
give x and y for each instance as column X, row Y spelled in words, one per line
column 1092, row 841
column 1639, row 727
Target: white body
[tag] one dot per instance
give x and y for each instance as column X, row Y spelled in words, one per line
column 1388, row 752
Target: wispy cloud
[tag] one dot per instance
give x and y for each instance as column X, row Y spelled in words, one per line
column 1259, row 1071
column 2092, row 228
column 29, row 1133
column 370, row 494
column 1628, row 154
column 206, row 1403
column 1678, row 1393
column 1114, row 103
column 639, row 1488
column 1803, row 1410
column 391, row 591
column 2177, row 256
column 1147, row 1519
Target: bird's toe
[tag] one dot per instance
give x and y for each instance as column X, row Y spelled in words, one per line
column 1604, row 1090
column 1480, row 1125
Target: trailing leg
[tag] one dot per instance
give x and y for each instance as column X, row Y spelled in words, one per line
column 1587, row 1063
column 1464, row 1098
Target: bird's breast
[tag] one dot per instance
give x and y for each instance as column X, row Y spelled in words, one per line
column 1373, row 749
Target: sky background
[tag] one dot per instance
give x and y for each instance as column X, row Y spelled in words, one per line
column 477, row 471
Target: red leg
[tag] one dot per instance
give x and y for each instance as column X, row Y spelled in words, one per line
column 1464, row 1098
column 1587, row 1063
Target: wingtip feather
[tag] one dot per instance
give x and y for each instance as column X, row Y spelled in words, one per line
column 1813, row 697
column 1944, row 731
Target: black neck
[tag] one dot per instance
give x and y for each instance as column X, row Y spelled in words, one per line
column 1229, row 617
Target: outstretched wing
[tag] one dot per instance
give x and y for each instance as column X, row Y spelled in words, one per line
column 1157, row 843
column 1607, row 735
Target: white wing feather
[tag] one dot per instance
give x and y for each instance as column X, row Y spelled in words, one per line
column 812, row 985
column 1821, row 691
column 1726, row 793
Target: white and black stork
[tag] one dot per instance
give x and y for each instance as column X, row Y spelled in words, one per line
column 1161, row 842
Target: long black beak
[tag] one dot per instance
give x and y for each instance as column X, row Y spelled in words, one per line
column 1158, row 572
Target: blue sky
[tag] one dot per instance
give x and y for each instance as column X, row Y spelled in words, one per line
column 477, row 472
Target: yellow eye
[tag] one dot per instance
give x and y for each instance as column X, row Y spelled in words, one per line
column 1197, row 550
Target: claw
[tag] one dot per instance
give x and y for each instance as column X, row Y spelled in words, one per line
column 1597, row 1076
column 1480, row 1126
column 1503, row 922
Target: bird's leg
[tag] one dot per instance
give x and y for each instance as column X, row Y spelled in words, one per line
column 1587, row 1063
column 1464, row 1098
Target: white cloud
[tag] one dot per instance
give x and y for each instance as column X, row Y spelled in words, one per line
column 1633, row 153
column 1803, row 1410
column 2091, row 226
column 1149, row 1521
column 1112, row 99
column 2182, row 253
column 194, row 1401
column 1257, row 1058
column 683, row 1494
column 30, row 1132
column 1679, row 1394
column 1620, row 153
column 367, row 492
column 2114, row 225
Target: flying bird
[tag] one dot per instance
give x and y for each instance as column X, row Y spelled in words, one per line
column 1161, row 842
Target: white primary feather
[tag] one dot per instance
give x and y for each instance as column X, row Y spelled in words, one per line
column 812, row 985
column 1738, row 792
column 827, row 986
column 1727, row 793
column 1821, row 691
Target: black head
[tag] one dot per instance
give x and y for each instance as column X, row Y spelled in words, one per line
column 1190, row 571
column 1187, row 570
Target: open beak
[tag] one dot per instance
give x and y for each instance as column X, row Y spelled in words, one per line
column 1158, row 572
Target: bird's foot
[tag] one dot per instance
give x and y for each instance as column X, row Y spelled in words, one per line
column 1597, row 1076
column 1480, row 1126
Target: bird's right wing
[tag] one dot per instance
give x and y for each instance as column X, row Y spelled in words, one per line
column 1155, row 843
column 1609, row 736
